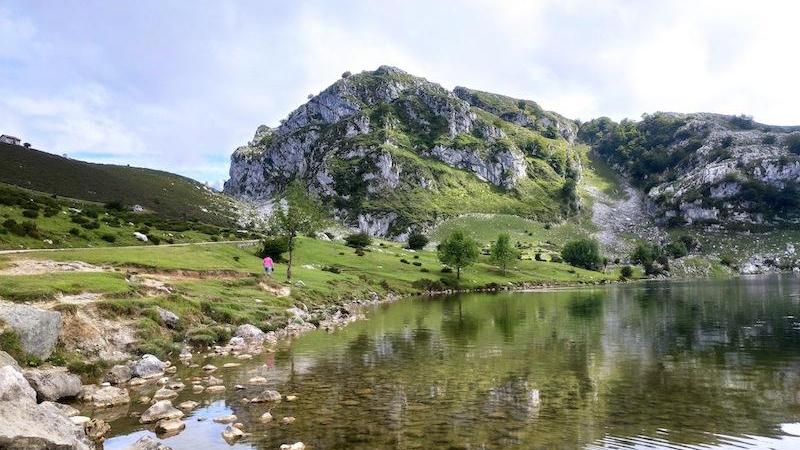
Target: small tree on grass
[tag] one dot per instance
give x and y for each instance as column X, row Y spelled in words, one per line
column 583, row 253
column 301, row 215
column 417, row 241
column 503, row 253
column 458, row 251
column 358, row 240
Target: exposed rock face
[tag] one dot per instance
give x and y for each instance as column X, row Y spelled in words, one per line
column 53, row 383
column 385, row 134
column 37, row 329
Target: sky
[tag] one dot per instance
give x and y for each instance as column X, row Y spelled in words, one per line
column 178, row 85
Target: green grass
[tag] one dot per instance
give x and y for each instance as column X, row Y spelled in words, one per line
column 47, row 286
column 167, row 194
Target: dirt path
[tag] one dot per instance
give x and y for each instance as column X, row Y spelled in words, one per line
column 42, row 266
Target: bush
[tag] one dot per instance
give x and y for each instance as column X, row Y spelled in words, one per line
column 769, row 139
column 645, row 253
column 93, row 225
column 332, row 269
column 417, row 241
column 155, row 240
column 676, row 249
column 30, row 213
column 556, row 259
column 690, row 242
column 273, row 247
column 583, row 253
column 109, row 238
column 358, row 240
column 359, row 252
column 626, row 272
column 793, row 143
column 417, row 263
column 726, row 260
column 74, row 231
column 404, row 261
column 115, row 205
column 446, row 269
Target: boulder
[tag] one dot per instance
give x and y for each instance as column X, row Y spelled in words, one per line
column 148, row 366
column 119, row 374
column 266, row 417
column 26, row 425
column 96, row 429
column 148, row 443
column 169, row 318
column 14, row 387
column 188, row 405
column 249, row 332
column 67, row 410
column 269, row 395
column 160, row 410
column 170, row 426
column 105, row 397
column 226, row 419
column 140, row 236
column 37, row 329
column 232, row 434
column 164, row 394
column 53, row 383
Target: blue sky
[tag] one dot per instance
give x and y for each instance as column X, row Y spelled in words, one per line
column 179, row 85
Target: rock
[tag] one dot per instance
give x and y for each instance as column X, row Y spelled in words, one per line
column 196, row 389
column 54, row 383
column 118, row 374
column 238, row 387
column 239, row 425
column 148, row 366
column 215, row 389
column 209, row 368
column 188, row 405
column 169, row 318
column 212, row 380
column 7, row 360
column 171, row 370
column 80, row 420
column 14, row 387
column 25, row 425
column 230, row 365
column 67, row 410
column 226, row 419
column 160, row 410
column 96, row 429
column 257, row 380
column 295, row 446
column 164, row 394
column 269, row 395
column 37, row 329
column 249, row 332
column 266, row 417
column 232, row 434
column 140, row 236
column 148, row 443
column 186, row 353
column 291, row 398
column 170, row 426
column 105, row 397
column 288, row 420
column 176, row 386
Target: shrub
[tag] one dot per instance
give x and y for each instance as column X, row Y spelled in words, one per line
column 417, row 263
column 404, row 261
column 51, row 211
column 332, row 269
column 108, row 237
column 274, row 247
column 74, row 231
column 769, row 139
column 645, row 253
column 30, row 213
column 626, row 272
column 93, row 225
column 115, row 205
column 359, row 252
column 417, row 241
column 726, row 260
column 425, row 284
column 556, row 259
column 676, row 249
column 424, row 269
column 583, row 253
column 793, row 143
column 154, row 239
column 358, row 240
column 446, row 269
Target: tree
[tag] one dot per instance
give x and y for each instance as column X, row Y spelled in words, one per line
column 503, row 253
column 300, row 215
column 583, row 253
column 626, row 272
column 458, row 251
column 417, row 241
column 358, row 240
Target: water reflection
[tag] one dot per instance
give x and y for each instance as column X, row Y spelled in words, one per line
column 660, row 365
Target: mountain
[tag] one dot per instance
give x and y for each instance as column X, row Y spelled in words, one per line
column 391, row 152
column 706, row 169
column 166, row 194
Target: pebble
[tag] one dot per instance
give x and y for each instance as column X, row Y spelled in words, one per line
column 244, row 356
column 209, row 368
column 226, row 419
column 295, row 446
column 212, row 380
column 266, row 417
column 177, row 386
column 229, row 365
column 291, row 398
column 198, row 389
column 257, row 380
column 188, row 405
column 238, row 387
column 166, row 426
column 171, row 370
column 215, row 389
column 164, row 394
column 287, row 420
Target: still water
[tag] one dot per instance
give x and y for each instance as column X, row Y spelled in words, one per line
column 701, row 364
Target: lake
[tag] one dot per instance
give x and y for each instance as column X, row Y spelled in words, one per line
column 696, row 364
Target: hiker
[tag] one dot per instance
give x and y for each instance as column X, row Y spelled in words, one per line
column 268, row 265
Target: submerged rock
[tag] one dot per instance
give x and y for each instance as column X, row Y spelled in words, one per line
column 54, row 383
column 148, row 443
column 269, row 395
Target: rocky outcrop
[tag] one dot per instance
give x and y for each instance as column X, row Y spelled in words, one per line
column 37, row 329
column 53, row 383
column 502, row 168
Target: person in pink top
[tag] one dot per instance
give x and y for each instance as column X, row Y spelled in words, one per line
column 268, row 265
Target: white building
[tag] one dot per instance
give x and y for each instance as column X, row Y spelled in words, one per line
column 13, row 140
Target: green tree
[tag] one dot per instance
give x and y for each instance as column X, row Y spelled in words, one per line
column 503, row 253
column 458, row 251
column 358, row 240
column 583, row 253
column 417, row 241
column 300, row 215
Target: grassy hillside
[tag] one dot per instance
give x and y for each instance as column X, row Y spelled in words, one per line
column 30, row 219
column 166, row 194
